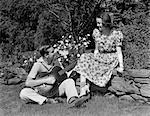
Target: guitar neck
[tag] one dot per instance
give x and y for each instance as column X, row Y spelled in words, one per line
column 67, row 68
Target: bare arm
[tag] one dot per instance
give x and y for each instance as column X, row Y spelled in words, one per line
column 96, row 48
column 96, row 34
column 119, row 39
column 32, row 81
column 120, row 58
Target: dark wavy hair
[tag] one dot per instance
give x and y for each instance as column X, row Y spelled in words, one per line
column 106, row 19
column 44, row 50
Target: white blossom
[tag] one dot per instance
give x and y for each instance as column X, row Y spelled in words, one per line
column 84, row 38
column 65, row 56
column 66, row 40
column 85, row 43
column 67, row 44
column 79, row 38
column 64, row 52
column 70, row 36
column 78, row 55
column 58, row 47
column 55, row 45
column 25, row 61
column 65, row 47
column 56, row 50
column 31, row 59
column 88, row 35
column 59, row 59
column 61, row 42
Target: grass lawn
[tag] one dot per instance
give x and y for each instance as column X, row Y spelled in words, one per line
column 11, row 105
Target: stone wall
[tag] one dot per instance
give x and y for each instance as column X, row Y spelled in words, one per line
column 134, row 84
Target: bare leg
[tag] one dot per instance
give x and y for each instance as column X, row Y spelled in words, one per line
column 84, row 87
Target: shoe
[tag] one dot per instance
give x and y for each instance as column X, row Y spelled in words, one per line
column 87, row 96
column 59, row 100
column 51, row 101
column 77, row 102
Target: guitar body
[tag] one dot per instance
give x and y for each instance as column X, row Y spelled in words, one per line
column 51, row 90
column 55, row 73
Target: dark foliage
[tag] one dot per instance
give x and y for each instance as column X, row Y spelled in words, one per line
column 27, row 24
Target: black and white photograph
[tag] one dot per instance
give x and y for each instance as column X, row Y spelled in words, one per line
column 74, row 58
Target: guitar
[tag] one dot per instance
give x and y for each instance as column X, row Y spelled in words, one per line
column 59, row 74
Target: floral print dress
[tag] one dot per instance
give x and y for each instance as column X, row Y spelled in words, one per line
column 98, row 68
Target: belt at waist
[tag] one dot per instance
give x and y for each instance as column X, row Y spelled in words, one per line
column 107, row 52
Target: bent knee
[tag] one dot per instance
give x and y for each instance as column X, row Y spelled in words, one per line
column 53, row 80
column 71, row 81
column 24, row 92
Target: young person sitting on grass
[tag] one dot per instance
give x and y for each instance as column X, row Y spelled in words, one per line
column 46, row 88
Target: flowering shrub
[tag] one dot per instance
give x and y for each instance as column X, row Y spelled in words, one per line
column 67, row 48
column 28, row 59
column 70, row 49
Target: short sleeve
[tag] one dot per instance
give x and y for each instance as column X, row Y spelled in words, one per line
column 35, row 69
column 96, row 34
column 118, row 38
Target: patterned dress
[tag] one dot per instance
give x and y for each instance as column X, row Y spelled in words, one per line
column 98, row 68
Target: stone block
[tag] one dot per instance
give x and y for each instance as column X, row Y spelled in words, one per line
column 139, row 72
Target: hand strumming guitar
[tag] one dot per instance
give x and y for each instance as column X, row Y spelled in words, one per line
column 49, row 79
column 47, row 85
